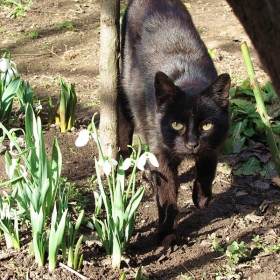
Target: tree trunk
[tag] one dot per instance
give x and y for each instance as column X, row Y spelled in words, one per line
column 261, row 20
column 109, row 73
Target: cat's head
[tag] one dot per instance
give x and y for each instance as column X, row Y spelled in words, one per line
column 192, row 123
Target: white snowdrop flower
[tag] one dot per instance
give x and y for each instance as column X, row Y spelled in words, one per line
column 5, row 211
column 127, row 163
column 10, row 72
column 39, row 107
column 23, row 171
column 11, row 145
column 13, row 166
column 4, row 65
column 143, row 159
column 16, row 166
column 1, row 147
column 9, row 77
column 20, row 141
column 13, row 72
column 107, row 165
column 107, row 161
column 83, row 137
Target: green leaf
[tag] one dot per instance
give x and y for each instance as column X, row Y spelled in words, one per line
column 7, row 98
column 239, row 102
column 251, row 167
column 105, row 198
column 138, row 274
column 79, row 221
column 118, row 207
column 239, row 140
column 246, row 84
column 227, row 148
column 276, row 127
column 259, row 125
column 56, row 235
column 239, row 128
column 268, row 170
column 76, row 255
column 102, row 234
column 249, row 132
column 134, row 203
column 117, row 251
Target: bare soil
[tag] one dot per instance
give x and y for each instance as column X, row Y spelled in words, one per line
column 239, row 209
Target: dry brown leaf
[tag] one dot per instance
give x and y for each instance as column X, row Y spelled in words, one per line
column 276, row 180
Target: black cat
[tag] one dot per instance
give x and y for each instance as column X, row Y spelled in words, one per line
column 173, row 98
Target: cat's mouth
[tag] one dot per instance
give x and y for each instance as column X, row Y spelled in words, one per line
column 189, row 152
column 186, row 150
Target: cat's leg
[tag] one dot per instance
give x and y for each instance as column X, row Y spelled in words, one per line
column 125, row 127
column 205, row 174
column 166, row 186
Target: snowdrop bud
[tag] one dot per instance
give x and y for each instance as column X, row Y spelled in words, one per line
column 4, row 65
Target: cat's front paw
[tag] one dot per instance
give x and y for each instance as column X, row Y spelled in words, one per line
column 168, row 240
column 201, row 202
column 201, row 197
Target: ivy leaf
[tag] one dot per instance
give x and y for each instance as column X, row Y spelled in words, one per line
column 250, row 167
column 238, row 139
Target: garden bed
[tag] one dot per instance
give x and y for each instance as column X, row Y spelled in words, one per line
column 240, row 208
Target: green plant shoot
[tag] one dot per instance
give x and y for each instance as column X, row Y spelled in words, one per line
column 56, row 236
column 66, row 107
column 261, row 107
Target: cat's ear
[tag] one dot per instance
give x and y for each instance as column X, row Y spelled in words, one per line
column 164, row 88
column 219, row 89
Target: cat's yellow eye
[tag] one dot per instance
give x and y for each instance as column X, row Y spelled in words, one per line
column 207, row 126
column 177, row 126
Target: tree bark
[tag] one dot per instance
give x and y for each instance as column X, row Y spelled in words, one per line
column 109, row 73
column 261, row 20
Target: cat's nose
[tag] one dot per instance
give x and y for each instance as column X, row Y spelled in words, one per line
column 192, row 145
column 191, row 141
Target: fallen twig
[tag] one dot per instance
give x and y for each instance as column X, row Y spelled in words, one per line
column 219, row 258
column 73, row 271
column 31, row 54
column 189, row 272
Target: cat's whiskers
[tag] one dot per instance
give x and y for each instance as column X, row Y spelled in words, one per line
column 172, row 155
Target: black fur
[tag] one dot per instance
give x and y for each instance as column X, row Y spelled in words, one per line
column 171, row 95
